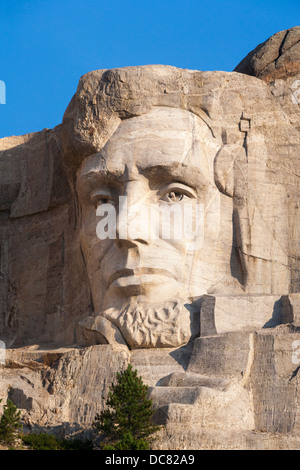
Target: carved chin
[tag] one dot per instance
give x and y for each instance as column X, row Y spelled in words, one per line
column 145, row 325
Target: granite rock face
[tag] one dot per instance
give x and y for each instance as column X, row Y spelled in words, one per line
column 276, row 61
column 278, row 57
column 210, row 321
column 39, row 255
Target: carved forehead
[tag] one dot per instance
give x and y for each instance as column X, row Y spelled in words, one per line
column 164, row 136
column 173, row 123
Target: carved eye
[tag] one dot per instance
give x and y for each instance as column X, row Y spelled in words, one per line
column 177, row 192
column 175, row 196
column 99, row 200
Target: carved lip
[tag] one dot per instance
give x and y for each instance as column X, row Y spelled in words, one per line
column 125, row 272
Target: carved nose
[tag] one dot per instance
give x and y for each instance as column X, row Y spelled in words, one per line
column 133, row 220
column 132, row 224
column 128, row 243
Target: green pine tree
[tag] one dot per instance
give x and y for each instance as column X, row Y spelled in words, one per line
column 9, row 423
column 126, row 423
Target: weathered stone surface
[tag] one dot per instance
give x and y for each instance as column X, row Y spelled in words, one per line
column 276, row 61
column 40, row 259
column 291, row 308
column 252, row 248
column 277, row 57
column 98, row 330
column 156, row 364
column 223, row 355
column 69, row 391
column 224, row 314
column 245, row 250
column 240, row 382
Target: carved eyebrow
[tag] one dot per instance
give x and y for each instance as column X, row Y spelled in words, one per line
column 190, row 175
column 91, row 180
column 101, row 173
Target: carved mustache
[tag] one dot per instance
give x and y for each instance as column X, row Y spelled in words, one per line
column 138, row 271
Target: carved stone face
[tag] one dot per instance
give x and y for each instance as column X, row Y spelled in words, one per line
column 156, row 173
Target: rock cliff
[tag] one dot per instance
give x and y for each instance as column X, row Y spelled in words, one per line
column 234, row 384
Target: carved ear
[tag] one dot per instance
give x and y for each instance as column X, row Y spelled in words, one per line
column 223, row 170
column 224, row 167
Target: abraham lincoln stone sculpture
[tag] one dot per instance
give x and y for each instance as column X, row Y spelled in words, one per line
column 143, row 282
column 204, row 157
column 166, row 144
column 158, row 224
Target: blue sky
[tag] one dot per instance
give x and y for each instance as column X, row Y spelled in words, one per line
column 46, row 45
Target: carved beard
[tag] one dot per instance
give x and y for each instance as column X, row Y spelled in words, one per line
column 148, row 325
